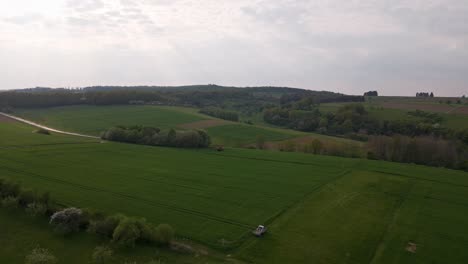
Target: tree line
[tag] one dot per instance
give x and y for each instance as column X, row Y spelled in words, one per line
column 220, row 113
column 424, row 150
column 153, row 136
column 121, row 230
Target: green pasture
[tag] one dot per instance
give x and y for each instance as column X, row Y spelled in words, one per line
column 318, row 209
column 92, row 120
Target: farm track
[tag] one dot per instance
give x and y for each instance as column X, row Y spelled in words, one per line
column 149, row 202
column 395, row 214
column 45, row 127
column 419, row 179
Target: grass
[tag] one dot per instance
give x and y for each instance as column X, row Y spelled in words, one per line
column 201, row 199
column 370, row 217
column 318, row 209
column 92, row 120
column 240, row 135
column 450, row 120
column 24, row 233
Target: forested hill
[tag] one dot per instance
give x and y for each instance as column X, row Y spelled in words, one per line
column 247, row 98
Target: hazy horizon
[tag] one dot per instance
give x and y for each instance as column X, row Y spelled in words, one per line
column 395, row 47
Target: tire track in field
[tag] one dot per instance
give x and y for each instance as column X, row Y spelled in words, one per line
column 149, row 202
column 263, row 159
column 401, row 199
column 314, row 189
column 419, row 178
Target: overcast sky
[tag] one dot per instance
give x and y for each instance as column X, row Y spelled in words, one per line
column 397, row 47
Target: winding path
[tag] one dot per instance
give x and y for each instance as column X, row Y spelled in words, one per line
column 45, row 127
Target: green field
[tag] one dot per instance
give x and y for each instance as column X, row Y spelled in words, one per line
column 319, row 209
column 450, row 120
column 92, row 120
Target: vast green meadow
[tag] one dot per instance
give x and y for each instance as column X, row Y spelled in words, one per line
column 319, row 209
column 92, row 120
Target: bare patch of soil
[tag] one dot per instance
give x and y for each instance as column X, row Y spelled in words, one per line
column 204, row 124
column 411, row 247
column 4, row 119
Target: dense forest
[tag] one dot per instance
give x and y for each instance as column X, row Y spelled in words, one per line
column 246, row 100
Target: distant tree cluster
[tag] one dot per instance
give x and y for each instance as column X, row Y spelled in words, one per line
column 423, row 94
column 220, row 113
column 426, row 150
column 371, row 93
column 153, row 136
column 248, row 100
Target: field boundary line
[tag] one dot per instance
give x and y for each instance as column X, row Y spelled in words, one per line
column 419, row 179
column 45, row 127
column 260, row 159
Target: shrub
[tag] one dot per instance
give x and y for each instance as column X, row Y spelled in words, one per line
column 260, row 142
column 102, row 255
column 105, row 226
column 42, row 131
column 40, row 256
column 10, row 202
column 126, row 233
column 9, row 189
column 165, row 234
column 27, row 197
column 36, row 208
column 147, row 231
column 67, row 221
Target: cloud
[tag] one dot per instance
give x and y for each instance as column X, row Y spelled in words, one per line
column 24, row 19
column 397, row 46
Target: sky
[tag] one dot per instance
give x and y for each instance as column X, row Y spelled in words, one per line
column 397, row 47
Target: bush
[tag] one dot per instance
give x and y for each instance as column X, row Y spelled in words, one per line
column 9, row 189
column 102, row 255
column 42, row 131
column 105, row 226
column 36, row 208
column 40, row 256
column 126, row 233
column 165, row 234
column 27, row 197
column 10, row 202
column 260, row 142
column 67, row 221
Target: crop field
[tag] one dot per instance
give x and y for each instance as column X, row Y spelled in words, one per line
column 318, row 209
column 451, row 119
column 92, row 120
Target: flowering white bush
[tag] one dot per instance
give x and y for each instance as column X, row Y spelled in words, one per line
column 67, row 220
